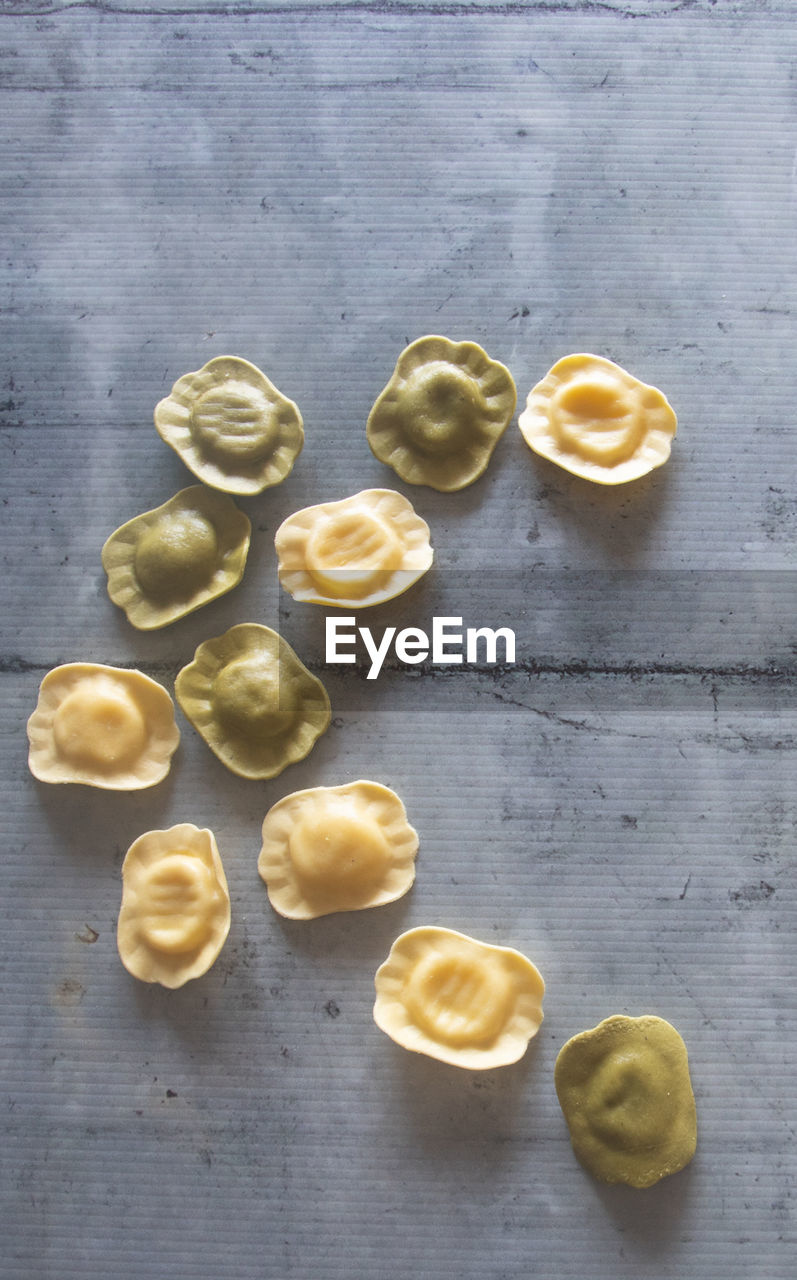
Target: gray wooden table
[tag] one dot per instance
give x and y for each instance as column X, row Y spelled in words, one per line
column 311, row 186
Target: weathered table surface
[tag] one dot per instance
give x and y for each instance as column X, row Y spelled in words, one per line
column 311, row 186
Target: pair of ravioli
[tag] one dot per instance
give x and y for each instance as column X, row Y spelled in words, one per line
column 330, row 849
column 447, row 404
column 441, row 993
column 624, row 1086
column 324, row 850
column 246, row 692
column 437, row 423
column 237, row 433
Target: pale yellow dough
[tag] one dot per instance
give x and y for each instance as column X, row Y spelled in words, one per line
column 457, row 999
column 591, row 417
column 175, row 912
column 356, row 552
column 626, row 1095
column 231, row 426
column 337, row 849
column 103, row 726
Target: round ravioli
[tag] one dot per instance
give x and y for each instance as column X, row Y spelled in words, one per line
column 592, row 418
column 337, row 849
column 231, row 426
column 175, row 912
column 102, row 726
column 625, row 1092
column 252, row 700
column 167, row 562
column 442, row 413
column 465, row 1002
column 354, row 553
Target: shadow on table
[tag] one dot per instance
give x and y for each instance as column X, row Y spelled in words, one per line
column 617, row 520
column 651, row 1216
column 472, row 1113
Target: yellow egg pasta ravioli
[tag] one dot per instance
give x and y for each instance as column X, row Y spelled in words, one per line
column 356, row 552
column 253, row 701
column 625, row 1092
column 175, row 912
column 457, row 999
column 337, row 849
column 102, row 726
column 164, row 563
column 591, row 417
column 231, row 426
column 442, row 413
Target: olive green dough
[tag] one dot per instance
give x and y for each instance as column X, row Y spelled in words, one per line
column 442, row 413
column 167, row 562
column 625, row 1091
column 253, row 701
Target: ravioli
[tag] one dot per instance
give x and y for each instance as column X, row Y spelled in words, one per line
column 625, row 1092
column 231, row 426
column 457, row 999
column 253, row 701
column 102, row 726
column 337, row 849
column 591, row 417
column 165, row 563
column 442, row 413
column 175, row 912
column 356, row 552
